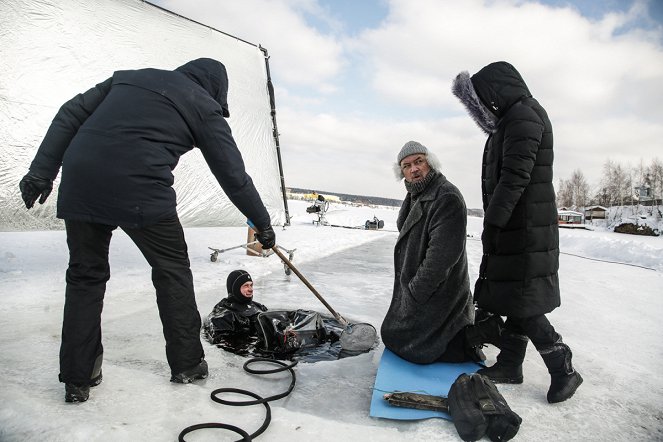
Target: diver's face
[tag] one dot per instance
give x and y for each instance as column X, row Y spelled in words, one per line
column 247, row 289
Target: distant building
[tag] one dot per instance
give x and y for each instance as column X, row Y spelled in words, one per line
column 315, row 196
column 643, row 193
column 569, row 217
column 595, row 212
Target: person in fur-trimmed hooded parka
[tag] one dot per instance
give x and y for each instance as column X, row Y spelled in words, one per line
column 518, row 273
column 431, row 314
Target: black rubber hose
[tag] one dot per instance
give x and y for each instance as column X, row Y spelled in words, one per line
column 259, row 400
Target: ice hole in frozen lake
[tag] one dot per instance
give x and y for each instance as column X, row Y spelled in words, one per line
column 294, row 335
column 307, row 335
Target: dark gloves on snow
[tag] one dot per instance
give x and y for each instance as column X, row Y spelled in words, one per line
column 33, row 187
column 266, row 237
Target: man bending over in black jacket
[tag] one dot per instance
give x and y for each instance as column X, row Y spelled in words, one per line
column 118, row 144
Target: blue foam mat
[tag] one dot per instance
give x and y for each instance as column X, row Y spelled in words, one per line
column 397, row 374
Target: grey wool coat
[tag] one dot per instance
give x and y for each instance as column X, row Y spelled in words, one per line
column 518, row 274
column 431, row 300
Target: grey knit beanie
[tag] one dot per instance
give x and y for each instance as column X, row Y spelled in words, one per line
column 411, row 148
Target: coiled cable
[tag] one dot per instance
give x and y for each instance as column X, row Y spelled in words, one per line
column 258, row 400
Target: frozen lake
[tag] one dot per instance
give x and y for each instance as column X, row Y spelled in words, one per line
column 610, row 316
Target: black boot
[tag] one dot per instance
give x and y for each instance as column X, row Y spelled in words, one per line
column 81, row 393
column 564, row 380
column 486, row 330
column 187, row 376
column 509, row 366
column 76, row 393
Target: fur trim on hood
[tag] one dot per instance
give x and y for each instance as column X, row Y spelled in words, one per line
column 463, row 89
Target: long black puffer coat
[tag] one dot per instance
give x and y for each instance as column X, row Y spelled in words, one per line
column 119, row 142
column 518, row 274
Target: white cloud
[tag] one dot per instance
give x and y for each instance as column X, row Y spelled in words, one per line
column 300, row 54
column 601, row 84
column 626, row 140
column 568, row 61
column 601, row 81
column 352, row 155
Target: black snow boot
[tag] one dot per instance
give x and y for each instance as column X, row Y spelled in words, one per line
column 564, row 380
column 486, row 330
column 187, row 376
column 509, row 366
column 76, row 393
column 80, row 393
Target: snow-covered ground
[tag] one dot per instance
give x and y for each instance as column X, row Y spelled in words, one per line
column 610, row 316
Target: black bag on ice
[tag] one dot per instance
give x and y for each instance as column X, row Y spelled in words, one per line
column 285, row 331
column 477, row 408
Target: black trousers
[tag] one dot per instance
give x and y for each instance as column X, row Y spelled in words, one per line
column 164, row 247
column 457, row 350
column 537, row 328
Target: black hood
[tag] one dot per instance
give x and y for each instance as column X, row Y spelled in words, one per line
column 211, row 75
column 234, row 283
column 499, row 86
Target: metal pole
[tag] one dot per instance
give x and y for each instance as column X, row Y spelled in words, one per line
column 308, row 284
column 272, row 102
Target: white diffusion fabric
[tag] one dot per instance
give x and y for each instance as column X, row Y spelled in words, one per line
column 52, row 50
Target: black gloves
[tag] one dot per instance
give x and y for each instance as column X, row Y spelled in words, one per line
column 489, row 238
column 266, row 237
column 33, row 187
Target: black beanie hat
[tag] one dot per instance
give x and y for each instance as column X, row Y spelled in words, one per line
column 235, row 280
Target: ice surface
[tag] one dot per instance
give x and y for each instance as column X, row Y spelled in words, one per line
column 610, row 316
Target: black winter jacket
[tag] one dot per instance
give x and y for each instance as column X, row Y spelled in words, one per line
column 118, row 143
column 518, row 273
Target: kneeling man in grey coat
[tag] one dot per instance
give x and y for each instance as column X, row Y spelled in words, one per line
column 431, row 314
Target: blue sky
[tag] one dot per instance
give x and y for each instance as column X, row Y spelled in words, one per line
column 356, row 79
column 351, row 16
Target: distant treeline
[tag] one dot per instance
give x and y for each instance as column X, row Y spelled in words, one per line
column 619, row 185
column 369, row 200
column 357, row 199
